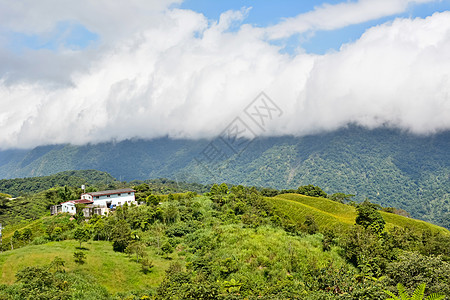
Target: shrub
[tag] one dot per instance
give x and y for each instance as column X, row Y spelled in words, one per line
column 79, row 257
column 146, row 265
column 412, row 269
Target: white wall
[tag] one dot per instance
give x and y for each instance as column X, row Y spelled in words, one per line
column 86, row 196
column 115, row 199
column 68, row 207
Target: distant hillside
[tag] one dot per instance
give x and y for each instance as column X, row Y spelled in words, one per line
column 387, row 166
column 127, row 160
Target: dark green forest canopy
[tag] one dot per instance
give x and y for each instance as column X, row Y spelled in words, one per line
column 29, row 185
column 91, row 178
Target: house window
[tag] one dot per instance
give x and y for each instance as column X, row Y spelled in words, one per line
column 118, row 195
column 108, row 196
column 97, row 197
column 119, row 203
column 129, row 193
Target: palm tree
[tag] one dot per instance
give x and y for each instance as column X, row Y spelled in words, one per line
column 417, row 295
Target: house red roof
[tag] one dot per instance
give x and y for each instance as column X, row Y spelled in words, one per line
column 79, row 201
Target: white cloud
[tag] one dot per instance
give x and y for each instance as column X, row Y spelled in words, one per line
column 110, row 19
column 396, row 74
column 329, row 17
column 185, row 76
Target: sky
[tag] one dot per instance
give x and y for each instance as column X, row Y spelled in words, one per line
column 95, row 71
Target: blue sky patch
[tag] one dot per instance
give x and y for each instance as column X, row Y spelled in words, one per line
column 266, row 13
column 66, row 34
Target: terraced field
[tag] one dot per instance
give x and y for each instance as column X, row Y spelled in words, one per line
column 331, row 214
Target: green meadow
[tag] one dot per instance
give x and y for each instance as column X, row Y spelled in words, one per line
column 114, row 270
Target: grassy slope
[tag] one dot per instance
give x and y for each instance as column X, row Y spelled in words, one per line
column 113, row 270
column 328, row 213
column 37, row 227
column 272, row 246
column 255, row 251
column 117, row 272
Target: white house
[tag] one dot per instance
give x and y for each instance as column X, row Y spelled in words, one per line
column 111, row 198
column 97, row 202
column 69, row 206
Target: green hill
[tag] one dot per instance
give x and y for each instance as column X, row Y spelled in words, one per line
column 331, row 214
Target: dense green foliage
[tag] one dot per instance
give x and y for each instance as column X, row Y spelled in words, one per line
column 311, row 190
column 417, row 295
column 90, row 178
column 369, row 217
column 232, row 243
column 389, row 167
column 167, row 186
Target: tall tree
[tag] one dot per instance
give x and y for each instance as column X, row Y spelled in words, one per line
column 312, row 191
column 369, row 217
column 82, row 234
column 121, row 236
column 137, row 248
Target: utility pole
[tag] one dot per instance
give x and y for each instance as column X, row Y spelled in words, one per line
column 176, row 179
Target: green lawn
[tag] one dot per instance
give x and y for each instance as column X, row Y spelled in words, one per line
column 113, row 270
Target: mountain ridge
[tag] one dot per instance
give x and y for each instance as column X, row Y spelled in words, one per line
column 390, row 167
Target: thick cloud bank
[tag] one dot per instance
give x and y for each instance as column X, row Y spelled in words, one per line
column 181, row 75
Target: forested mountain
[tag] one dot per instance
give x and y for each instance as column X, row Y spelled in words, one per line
column 389, row 167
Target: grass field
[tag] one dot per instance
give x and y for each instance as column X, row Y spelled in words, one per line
column 331, row 214
column 113, row 270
